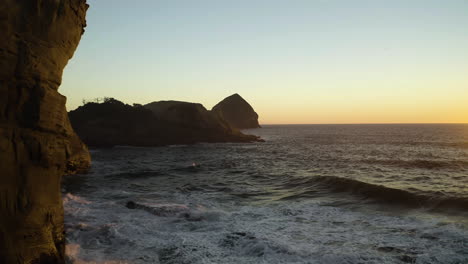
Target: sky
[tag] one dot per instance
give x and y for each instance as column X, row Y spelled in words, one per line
column 294, row 61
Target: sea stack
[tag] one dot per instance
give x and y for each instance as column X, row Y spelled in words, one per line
column 237, row 112
column 37, row 143
column 160, row 123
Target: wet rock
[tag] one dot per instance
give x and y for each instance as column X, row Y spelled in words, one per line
column 245, row 243
column 131, row 205
column 235, row 238
column 407, row 259
column 390, row 249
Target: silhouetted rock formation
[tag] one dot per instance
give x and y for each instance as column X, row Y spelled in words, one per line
column 237, row 112
column 156, row 124
column 37, row 143
column 188, row 115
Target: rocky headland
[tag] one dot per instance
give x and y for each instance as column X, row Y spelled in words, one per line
column 160, row 123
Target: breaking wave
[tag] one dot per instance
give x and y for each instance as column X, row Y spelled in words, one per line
column 432, row 200
column 421, row 164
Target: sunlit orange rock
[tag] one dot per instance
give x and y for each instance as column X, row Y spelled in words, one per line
column 37, row 143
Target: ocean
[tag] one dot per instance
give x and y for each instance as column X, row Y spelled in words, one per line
column 309, row 194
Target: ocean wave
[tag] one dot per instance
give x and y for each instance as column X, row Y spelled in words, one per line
column 414, row 198
column 460, row 144
column 185, row 211
column 135, row 174
column 421, row 164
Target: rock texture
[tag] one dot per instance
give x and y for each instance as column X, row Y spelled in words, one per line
column 237, row 112
column 156, row 124
column 37, row 143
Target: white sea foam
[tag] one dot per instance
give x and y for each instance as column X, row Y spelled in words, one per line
column 67, row 198
column 233, row 208
column 302, row 232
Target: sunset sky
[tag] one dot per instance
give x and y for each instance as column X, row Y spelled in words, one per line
column 295, row 61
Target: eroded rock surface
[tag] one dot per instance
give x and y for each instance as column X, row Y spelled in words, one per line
column 237, row 112
column 37, row 143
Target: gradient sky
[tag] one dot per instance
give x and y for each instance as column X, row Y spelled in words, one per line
column 295, row 61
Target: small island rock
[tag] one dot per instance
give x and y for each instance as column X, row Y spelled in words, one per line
column 237, row 112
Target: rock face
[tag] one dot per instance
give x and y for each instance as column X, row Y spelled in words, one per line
column 156, row 124
column 37, row 143
column 237, row 112
column 188, row 115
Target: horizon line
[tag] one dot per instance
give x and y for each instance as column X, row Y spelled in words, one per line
column 395, row 123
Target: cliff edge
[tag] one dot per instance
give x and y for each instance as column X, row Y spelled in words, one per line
column 37, row 143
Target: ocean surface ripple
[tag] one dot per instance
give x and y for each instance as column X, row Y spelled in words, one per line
column 309, row 194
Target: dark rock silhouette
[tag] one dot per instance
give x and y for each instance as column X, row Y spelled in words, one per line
column 188, row 114
column 37, row 143
column 131, row 205
column 237, row 112
column 156, row 124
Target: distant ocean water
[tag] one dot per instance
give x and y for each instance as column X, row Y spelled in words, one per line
column 309, row 194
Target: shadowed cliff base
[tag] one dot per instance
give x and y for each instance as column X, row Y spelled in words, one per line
column 156, row 124
column 37, row 143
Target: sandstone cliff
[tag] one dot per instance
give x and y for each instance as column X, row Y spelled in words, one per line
column 237, row 112
column 37, row 143
column 160, row 123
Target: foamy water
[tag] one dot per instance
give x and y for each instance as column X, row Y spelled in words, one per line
column 310, row 194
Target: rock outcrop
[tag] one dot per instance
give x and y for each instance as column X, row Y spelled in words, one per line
column 188, row 115
column 237, row 112
column 37, row 143
column 157, row 124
